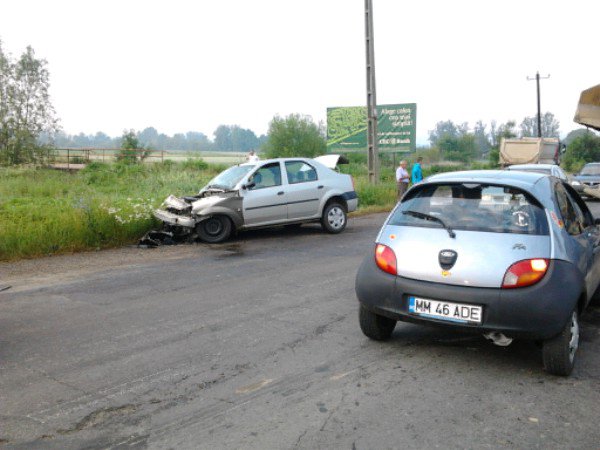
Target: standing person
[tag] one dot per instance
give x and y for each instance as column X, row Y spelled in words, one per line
column 417, row 173
column 252, row 157
column 402, row 179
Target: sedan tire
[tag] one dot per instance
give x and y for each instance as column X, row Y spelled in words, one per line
column 375, row 326
column 334, row 218
column 214, row 229
column 558, row 353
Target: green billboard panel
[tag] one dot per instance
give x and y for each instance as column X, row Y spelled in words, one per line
column 396, row 128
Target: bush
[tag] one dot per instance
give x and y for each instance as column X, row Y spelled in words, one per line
column 583, row 149
column 194, row 164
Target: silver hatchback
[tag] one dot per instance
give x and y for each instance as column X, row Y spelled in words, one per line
column 507, row 254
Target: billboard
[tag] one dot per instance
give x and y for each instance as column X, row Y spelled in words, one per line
column 396, row 128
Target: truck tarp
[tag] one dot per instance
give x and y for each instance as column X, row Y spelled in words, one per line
column 529, row 151
column 588, row 108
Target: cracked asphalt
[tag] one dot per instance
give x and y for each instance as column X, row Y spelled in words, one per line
column 255, row 344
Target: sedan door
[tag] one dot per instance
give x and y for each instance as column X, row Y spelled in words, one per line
column 304, row 190
column 264, row 202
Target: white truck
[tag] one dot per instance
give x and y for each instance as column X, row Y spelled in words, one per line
column 529, row 151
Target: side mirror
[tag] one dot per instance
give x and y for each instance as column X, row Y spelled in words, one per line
column 249, row 185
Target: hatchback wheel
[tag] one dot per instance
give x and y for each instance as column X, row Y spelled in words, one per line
column 334, row 218
column 214, row 229
column 375, row 326
column 558, row 353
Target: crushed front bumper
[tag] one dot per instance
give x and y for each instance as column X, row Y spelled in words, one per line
column 174, row 219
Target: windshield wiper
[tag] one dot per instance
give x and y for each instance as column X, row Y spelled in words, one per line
column 420, row 215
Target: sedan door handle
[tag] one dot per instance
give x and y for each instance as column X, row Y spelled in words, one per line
column 280, row 193
column 320, row 186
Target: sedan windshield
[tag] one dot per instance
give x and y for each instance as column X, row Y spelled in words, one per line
column 230, row 177
column 473, row 207
column 591, row 169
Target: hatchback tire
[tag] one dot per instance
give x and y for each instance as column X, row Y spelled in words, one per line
column 558, row 353
column 214, row 229
column 375, row 326
column 334, row 218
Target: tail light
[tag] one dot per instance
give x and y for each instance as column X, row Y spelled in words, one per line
column 525, row 273
column 386, row 259
column 353, row 185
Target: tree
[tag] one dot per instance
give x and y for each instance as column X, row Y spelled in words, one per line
column 235, row 138
column 294, row 135
column 223, row 138
column 482, row 141
column 447, row 129
column 197, row 141
column 462, row 148
column 573, row 134
column 550, row 126
column 25, row 108
column 584, row 148
column 130, row 148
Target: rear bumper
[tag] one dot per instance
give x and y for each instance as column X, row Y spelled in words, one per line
column 536, row 312
column 351, row 199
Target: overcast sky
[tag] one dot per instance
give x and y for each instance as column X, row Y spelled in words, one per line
column 191, row 65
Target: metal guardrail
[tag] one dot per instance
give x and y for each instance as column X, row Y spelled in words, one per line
column 73, row 156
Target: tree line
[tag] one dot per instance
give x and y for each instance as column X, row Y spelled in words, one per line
column 29, row 127
column 458, row 142
column 226, row 138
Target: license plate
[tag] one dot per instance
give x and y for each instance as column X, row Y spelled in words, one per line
column 452, row 312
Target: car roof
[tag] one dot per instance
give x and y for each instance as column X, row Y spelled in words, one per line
column 524, row 180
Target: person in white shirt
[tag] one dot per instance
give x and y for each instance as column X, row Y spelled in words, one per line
column 402, row 179
column 252, row 157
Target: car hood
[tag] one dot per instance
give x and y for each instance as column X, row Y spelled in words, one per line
column 205, row 202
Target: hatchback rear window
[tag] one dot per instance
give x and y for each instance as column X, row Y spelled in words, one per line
column 474, row 207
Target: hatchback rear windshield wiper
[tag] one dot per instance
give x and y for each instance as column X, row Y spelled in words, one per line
column 420, row 215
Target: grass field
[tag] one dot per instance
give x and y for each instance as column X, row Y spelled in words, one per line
column 44, row 211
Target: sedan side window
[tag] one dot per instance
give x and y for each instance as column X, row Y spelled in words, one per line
column 571, row 213
column 299, row 172
column 268, row 175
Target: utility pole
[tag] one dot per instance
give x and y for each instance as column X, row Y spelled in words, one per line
column 539, row 113
column 372, row 152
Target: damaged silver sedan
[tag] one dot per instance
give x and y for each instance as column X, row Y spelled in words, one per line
column 282, row 191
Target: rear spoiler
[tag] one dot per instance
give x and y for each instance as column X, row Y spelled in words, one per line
column 588, row 108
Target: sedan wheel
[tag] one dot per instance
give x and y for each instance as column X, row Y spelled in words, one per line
column 375, row 326
column 558, row 353
column 334, row 218
column 214, row 229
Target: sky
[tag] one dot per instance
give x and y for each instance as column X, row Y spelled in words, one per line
column 192, row 65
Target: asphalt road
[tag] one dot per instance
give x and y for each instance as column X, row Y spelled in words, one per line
column 255, row 344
